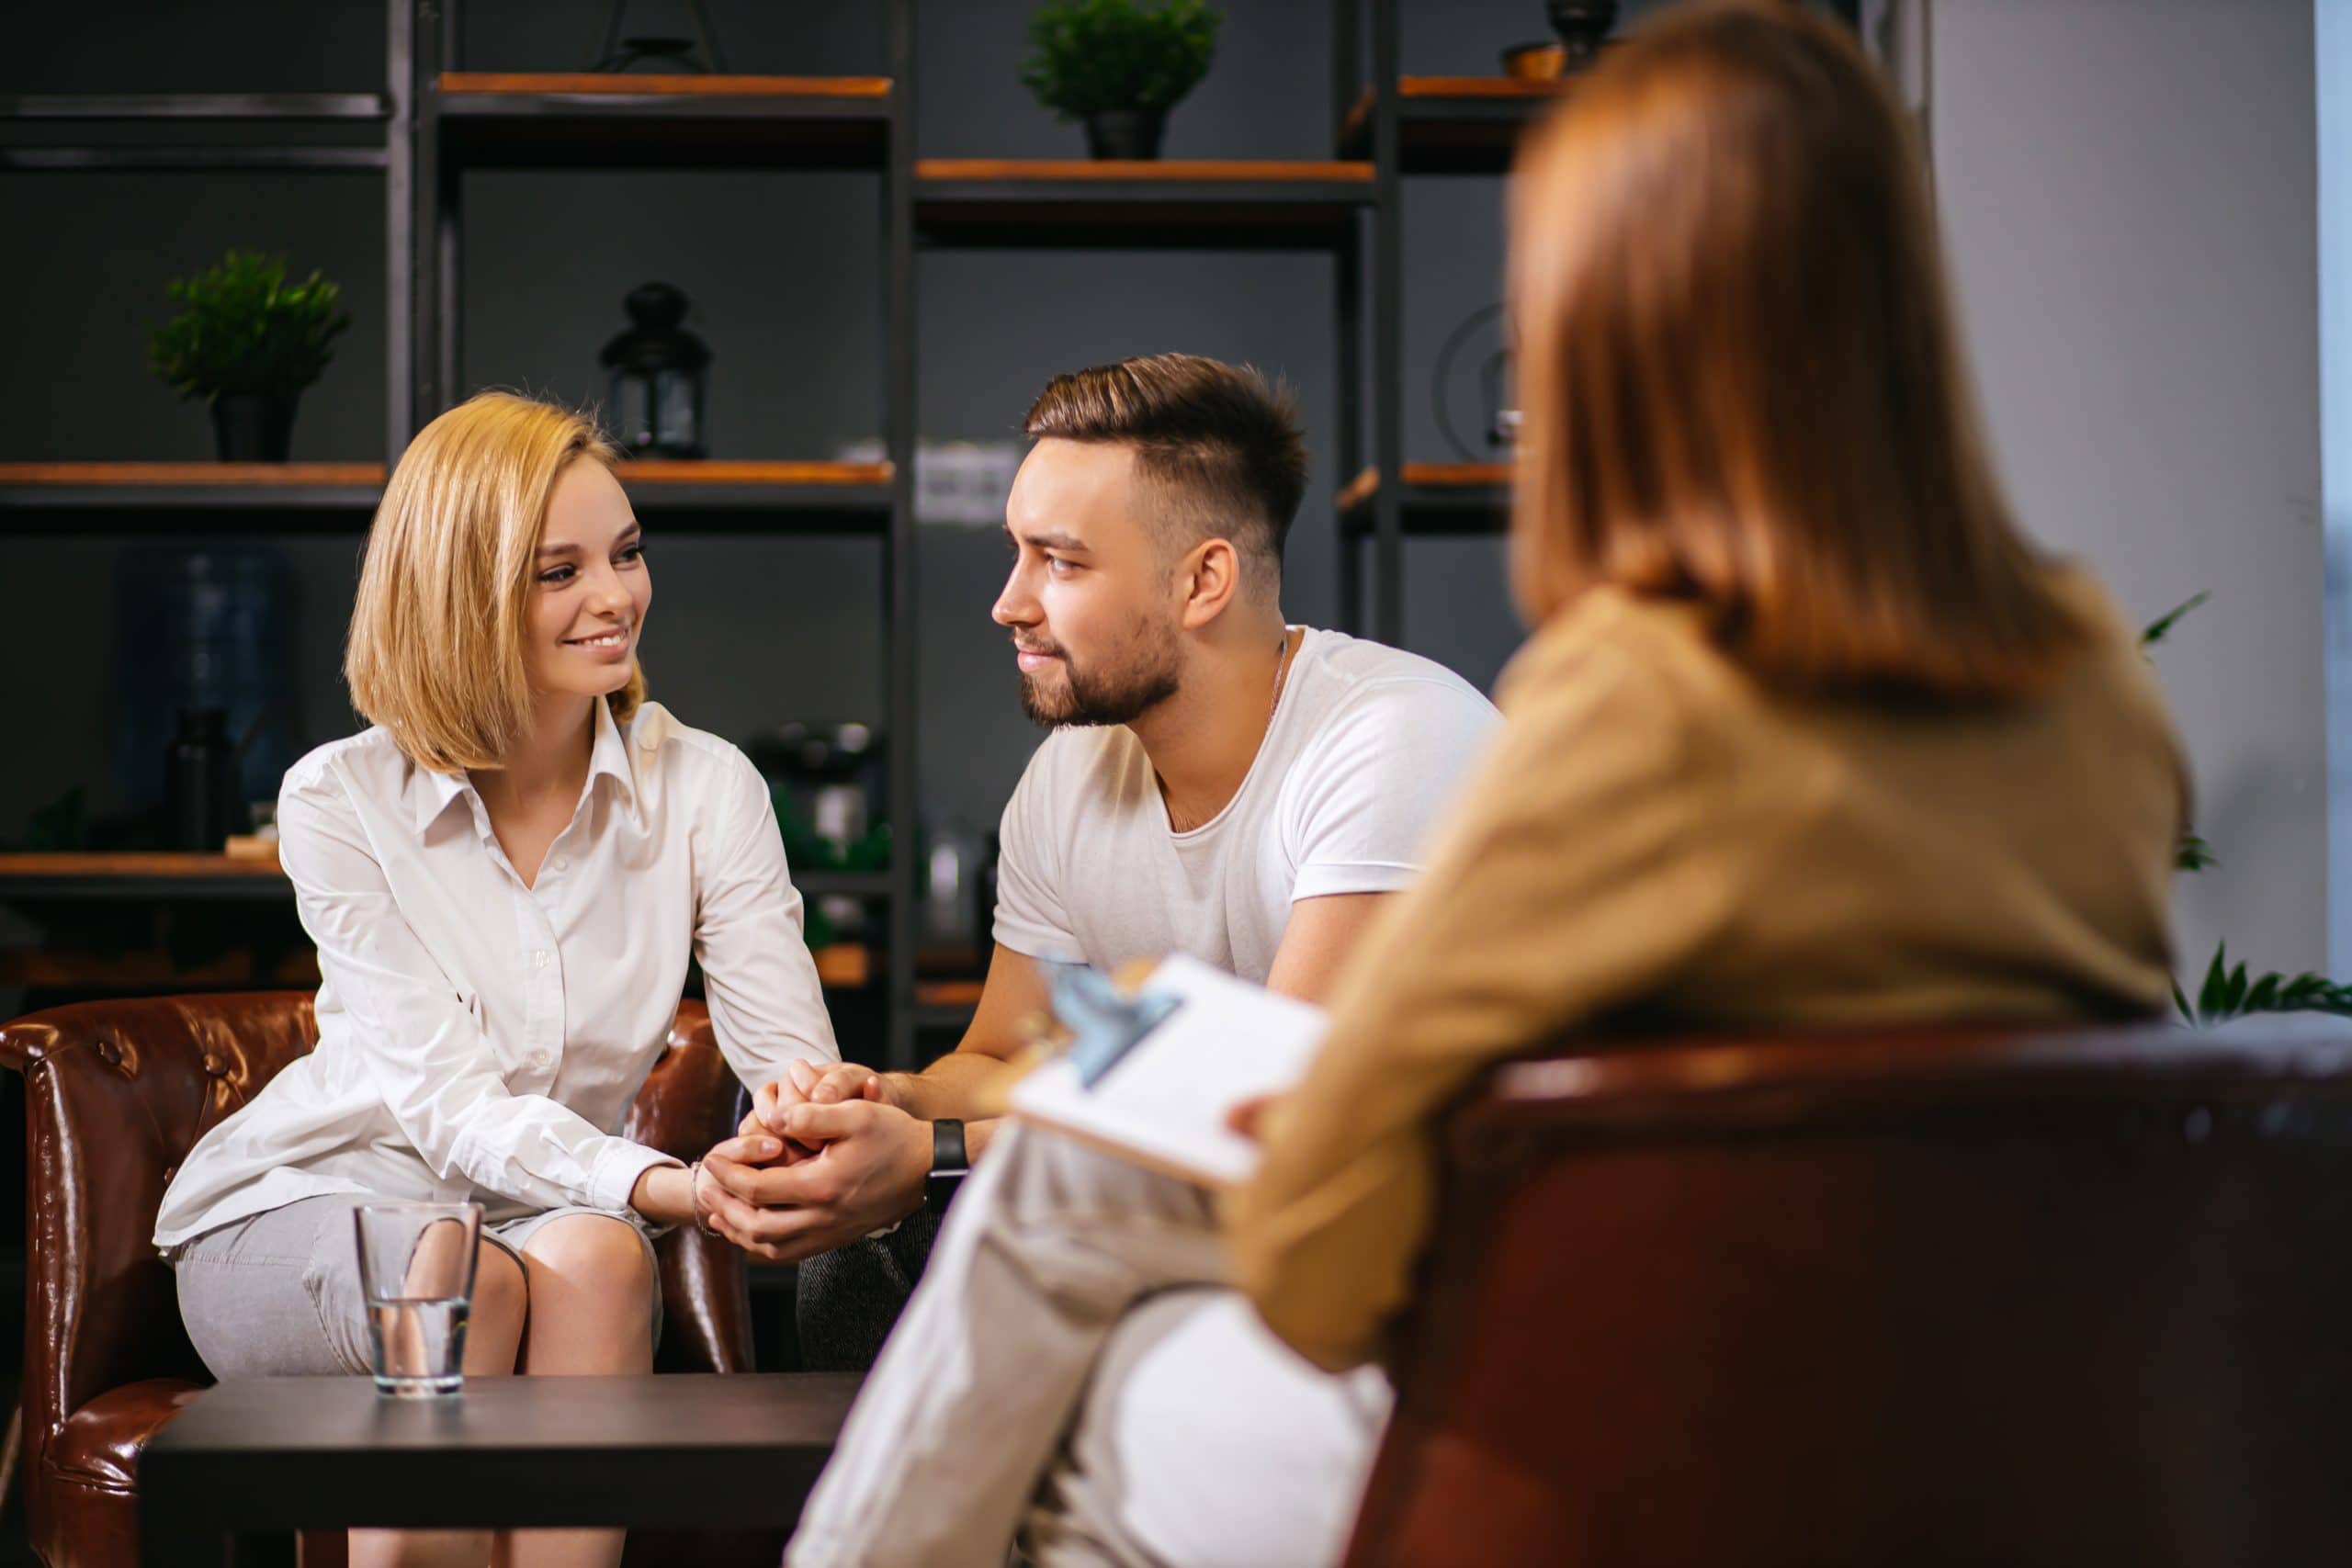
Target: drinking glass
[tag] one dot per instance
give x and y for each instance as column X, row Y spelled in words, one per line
column 416, row 1269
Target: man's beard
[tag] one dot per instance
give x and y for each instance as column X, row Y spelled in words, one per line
column 1119, row 694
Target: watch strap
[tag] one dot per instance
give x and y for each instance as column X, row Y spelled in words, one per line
column 950, row 1163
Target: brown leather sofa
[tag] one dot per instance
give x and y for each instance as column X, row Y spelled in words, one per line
column 116, row 1094
column 2022, row 1300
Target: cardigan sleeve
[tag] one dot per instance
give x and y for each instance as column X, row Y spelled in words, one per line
column 1574, row 876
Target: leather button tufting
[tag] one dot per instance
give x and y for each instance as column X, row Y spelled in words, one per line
column 108, row 1052
column 214, row 1066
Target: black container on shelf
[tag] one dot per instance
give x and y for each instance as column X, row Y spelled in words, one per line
column 212, row 627
column 249, row 427
column 200, row 782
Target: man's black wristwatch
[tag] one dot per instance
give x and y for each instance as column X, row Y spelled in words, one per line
column 949, row 1166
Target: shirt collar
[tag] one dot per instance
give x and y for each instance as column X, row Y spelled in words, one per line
column 434, row 793
column 608, row 757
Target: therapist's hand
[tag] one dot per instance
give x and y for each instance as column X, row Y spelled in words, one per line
column 864, row 1170
column 1248, row 1117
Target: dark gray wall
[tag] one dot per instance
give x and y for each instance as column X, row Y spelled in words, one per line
column 782, row 271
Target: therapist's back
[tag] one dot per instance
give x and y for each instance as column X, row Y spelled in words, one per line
column 1807, row 735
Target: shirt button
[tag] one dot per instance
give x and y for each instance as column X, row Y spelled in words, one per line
column 538, row 1058
column 562, row 863
column 540, row 958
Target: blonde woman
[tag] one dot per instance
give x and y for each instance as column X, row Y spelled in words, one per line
column 1806, row 734
column 505, row 878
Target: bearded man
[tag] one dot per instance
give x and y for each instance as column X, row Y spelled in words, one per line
column 1216, row 782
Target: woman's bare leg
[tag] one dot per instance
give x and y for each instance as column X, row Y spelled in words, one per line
column 591, row 1313
column 494, row 1328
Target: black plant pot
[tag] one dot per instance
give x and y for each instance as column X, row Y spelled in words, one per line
column 249, row 427
column 1126, row 133
column 1581, row 24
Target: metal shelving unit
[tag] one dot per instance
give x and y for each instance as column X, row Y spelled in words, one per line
column 435, row 120
column 465, row 120
column 1410, row 125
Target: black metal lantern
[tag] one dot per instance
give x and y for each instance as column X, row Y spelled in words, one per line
column 1582, row 24
column 656, row 371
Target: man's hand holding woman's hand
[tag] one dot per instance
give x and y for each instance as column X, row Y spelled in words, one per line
column 826, row 1156
column 805, row 1083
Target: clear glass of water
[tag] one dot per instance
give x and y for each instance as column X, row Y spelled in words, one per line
column 416, row 1267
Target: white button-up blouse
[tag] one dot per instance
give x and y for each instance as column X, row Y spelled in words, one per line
column 482, row 1039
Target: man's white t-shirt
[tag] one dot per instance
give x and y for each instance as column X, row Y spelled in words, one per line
column 1365, row 749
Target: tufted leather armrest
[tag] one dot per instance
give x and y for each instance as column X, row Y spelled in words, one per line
column 116, row 1094
column 691, row 1102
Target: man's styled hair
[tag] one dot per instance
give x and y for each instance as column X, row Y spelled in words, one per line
column 1219, row 441
column 436, row 650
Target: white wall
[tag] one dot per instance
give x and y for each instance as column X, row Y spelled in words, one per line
column 2129, row 189
column 2333, row 43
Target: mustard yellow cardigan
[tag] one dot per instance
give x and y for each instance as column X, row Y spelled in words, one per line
column 1656, row 834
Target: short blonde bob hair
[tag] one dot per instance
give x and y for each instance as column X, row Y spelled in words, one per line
column 435, row 651
column 1741, row 380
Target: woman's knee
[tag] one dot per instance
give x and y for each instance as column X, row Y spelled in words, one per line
column 594, row 1252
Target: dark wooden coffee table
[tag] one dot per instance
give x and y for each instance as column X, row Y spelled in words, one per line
column 680, row 1450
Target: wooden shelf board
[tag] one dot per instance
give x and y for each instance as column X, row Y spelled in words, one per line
column 258, row 475
column 726, row 495
column 154, row 971
column 125, row 878
column 141, row 864
column 963, row 994
column 591, row 120
column 841, row 966
column 621, row 87
column 658, row 471
column 1426, row 475
column 1152, row 171
column 1463, row 124
column 1183, row 203
column 188, row 497
column 159, row 874
column 194, row 105
column 1529, row 88
column 1437, row 497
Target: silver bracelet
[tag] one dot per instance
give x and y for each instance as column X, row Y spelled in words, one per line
column 693, row 1195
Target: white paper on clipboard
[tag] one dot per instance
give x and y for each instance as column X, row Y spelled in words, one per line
column 1165, row 1104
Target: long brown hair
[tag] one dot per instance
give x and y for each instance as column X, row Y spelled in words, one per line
column 1741, row 380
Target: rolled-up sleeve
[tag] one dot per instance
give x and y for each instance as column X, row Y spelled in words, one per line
column 767, row 1007
column 421, row 1035
column 1570, row 879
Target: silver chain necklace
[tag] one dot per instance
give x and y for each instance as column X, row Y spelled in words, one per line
column 1281, row 679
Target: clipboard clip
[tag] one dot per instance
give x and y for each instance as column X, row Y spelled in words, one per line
column 1105, row 1022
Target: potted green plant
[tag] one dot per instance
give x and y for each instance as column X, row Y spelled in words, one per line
column 2227, row 991
column 1119, row 65
column 247, row 342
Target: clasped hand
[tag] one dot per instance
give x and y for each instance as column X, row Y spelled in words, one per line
column 826, row 1156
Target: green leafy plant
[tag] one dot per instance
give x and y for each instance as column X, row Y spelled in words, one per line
column 1104, row 56
column 244, row 330
column 2228, row 991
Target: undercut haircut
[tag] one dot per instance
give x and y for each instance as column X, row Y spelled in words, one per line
column 1219, row 442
